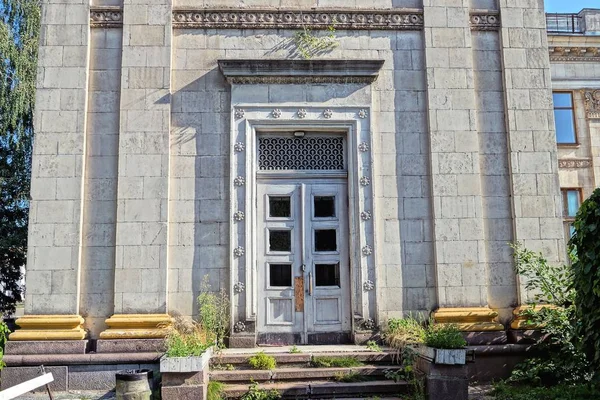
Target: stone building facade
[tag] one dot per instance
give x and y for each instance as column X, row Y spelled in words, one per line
column 182, row 141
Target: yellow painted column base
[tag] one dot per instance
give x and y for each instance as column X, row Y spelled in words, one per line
column 520, row 321
column 469, row 319
column 137, row 326
column 49, row 327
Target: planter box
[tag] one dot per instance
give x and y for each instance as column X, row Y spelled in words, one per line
column 442, row 356
column 186, row 364
column 185, row 377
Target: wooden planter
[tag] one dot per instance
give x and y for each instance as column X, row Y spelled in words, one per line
column 185, row 377
column 444, row 372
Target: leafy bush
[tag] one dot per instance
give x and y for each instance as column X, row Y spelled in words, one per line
column 215, row 390
column 559, row 359
column 256, row 393
column 262, row 361
column 585, row 247
column 213, row 310
column 444, row 336
column 4, row 331
column 335, row 362
column 404, row 331
column 373, row 346
column 186, row 339
column 295, row 350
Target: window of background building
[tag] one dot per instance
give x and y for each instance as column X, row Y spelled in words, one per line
column 571, row 200
column 564, row 117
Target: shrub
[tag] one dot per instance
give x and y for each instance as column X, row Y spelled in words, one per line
column 335, row 362
column 444, row 336
column 262, row 361
column 503, row 391
column 404, row 331
column 585, row 248
column 373, row 346
column 186, row 338
column 213, row 310
column 4, row 331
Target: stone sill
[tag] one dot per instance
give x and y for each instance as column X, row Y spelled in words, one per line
column 186, row 364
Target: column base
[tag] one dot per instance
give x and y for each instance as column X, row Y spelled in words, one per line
column 137, row 326
column 520, row 321
column 469, row 319
column 49, row 327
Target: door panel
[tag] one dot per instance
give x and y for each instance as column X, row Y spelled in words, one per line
column 303, row 260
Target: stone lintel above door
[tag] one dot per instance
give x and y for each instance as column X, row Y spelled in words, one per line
column 284, row 71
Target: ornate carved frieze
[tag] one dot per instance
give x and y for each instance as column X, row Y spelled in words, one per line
column 485, row 21
column 574, row 163
column 592, row 103
column 106, row 17
column 408, row 19
column 574, row 53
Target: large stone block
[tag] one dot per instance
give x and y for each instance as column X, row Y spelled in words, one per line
column 12, row 376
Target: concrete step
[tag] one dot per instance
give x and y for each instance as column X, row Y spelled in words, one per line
column 301, row 359
column 297, row 374
column 324, row 389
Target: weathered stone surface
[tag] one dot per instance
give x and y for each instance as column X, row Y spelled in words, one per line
column 12, row 376
column 46, row 347
column 187, row 392
column 130, row 345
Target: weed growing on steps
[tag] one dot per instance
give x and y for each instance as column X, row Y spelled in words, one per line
column 295, row 350
column 262, row 361
column 349, row 377
column 215, row 390
column 256, row 393
column 335, row 362
column 373, row 346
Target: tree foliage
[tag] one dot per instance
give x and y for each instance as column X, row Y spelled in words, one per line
column 585, row 247
column 19, row 32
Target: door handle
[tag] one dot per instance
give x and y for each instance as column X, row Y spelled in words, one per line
column 310, row 284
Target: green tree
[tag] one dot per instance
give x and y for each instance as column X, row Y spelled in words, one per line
column 585, row 249
column 19, row 32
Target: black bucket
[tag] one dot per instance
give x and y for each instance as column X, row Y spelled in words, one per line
column 133, row 384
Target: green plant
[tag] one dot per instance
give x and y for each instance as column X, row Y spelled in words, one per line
column 294, row 350
column 373, row 346
column 256, row 393
column 226, row 367
column 401, row 332
column 4, row 331
column 559, row 358
column 444, row 336
column 334, row 362
column 349, row 377
column 505, row 391
column 185, row 339
column 262, row 361
column 215, row 390
column 309, row 44
column 406, row 372
column 213, row 311
column 585, row 249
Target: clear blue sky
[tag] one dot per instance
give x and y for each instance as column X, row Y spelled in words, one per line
column 570, row 6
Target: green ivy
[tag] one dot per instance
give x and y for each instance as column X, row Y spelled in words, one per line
column 585, row 249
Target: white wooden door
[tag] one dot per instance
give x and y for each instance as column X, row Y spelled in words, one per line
column 303, row 261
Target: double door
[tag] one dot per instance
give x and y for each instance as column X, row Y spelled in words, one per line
column 303, row 261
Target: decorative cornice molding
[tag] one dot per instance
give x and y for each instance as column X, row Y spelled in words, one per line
column 400, row 19
column 281, row 71
column 106, row 17
column 485, row 20
column 574, row 163
column 574, row 53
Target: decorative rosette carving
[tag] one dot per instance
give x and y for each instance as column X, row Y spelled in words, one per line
column 106, row 17
column 365, row 215
column 239, row 181
column 328, row 113
column 368, row 286
column 239, row 287
column 239, row 216
column 485, row 21
column 276, row 113
column 369, row 324
column 239, row 327
column 239, row 147
column 362, row 114
column 239, row 251
column 363, row 147
column 364, row 181
column 367, row 250
column 239, row 113
column 301, row 113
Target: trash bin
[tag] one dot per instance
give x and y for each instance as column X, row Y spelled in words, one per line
column 134, row 384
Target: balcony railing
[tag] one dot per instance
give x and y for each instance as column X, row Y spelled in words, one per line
column 564, row 23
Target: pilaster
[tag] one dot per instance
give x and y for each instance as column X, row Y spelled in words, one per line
column 458, row 235
column 536, row 204
column 143, row 164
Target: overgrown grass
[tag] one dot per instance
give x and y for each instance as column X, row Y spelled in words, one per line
column 295, row 350
column 256, row 393
column 504, row 391
column 403, row 332
column 444, row 336
column 373, row 346
column 186, row 338
column 262, row 361
column 335, row 362
column 215, row 390
column 349, row 377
